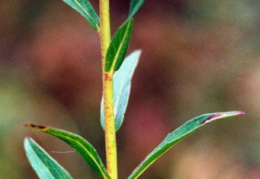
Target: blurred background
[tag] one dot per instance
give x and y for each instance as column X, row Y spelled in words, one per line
column 198, row 56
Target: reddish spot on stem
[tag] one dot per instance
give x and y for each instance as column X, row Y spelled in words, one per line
column 106, row 76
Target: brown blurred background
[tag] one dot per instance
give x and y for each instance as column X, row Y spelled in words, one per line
column 198, row 56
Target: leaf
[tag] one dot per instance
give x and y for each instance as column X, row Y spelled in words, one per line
column 122, row 86
column 87, row 151
column 177, row 136
column 43, row 164
column 85, row 8
column 118, row 47
column 135, row 5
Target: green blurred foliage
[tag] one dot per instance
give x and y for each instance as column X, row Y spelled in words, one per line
column 198, row 56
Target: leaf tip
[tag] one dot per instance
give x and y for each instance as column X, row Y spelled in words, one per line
column 220, row 115
column 26, row 139
column 37, row 127
column 139, row 51
column 240, row 113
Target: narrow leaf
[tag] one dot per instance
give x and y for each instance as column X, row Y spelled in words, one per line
column 135, row 5
column 86, row 10
column 43, row 164
column 87, row 151
column 122, row 86
column 118, row 47
column 177, row 136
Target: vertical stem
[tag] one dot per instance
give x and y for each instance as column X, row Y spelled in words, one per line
column 104, row 29
column 110, row 132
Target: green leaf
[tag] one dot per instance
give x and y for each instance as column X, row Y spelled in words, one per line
column 87, row 151
column 177, row 136
column 135, row 5
column 86, row 10
column 43, row 164
column 118, row 47
column 122, row 86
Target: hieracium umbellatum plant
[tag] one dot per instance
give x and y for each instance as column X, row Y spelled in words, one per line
column 117, row 72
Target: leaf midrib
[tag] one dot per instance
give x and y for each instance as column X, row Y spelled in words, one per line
column 120, row 47
column 93, row 158
column 76, row 1
column 47, row 168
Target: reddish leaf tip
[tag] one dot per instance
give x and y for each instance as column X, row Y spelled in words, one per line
column 37, row 127
column 26, row 124
column 222, row 115
column 240, row 112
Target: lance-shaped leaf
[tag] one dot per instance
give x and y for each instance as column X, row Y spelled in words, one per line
column 118, row 47
column 87, row 151
column 43, row 164
column 122, row 86
column 177, row 136
column 135, row 5
column 86, row 10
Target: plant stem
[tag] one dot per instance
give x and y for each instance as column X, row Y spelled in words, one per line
column 110, row 132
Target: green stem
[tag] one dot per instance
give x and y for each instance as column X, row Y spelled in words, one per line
column 110, row 132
